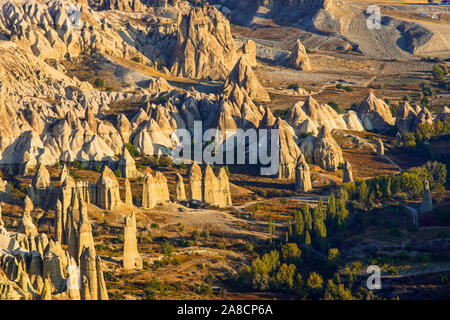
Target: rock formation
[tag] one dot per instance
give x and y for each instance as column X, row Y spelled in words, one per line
column 405, row 117
column 302, row 175
column 154, row 190
column 128, row 194
column 85, row 238
column 180, row 189
column 424, row 117
column 41, row 179
column 205, row 47
column 205, row 186
column 327, row 153
column 380, row 147
column 64, row 173
column 243, row 77
column 248, row 51
column 443, row 114
column 375, row 114
column 131, row 257
column 195, row 182
column 127, row 165
column 427, row 203
column 122, row 5
column 26, row 225
column 299, row 59
column 347, row 171
column 107, row 190
column 289, row 150
column 224, row 193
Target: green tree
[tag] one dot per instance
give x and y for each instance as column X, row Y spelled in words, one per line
column 284, row 278
column 363, row 192
column 290, row 253
column 307, row 216
column 307, row 238
column 299, row 224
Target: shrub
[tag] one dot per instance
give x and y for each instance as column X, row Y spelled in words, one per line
column 167, row 248
column 293, row 86
column 118, row 173
column 99, row 83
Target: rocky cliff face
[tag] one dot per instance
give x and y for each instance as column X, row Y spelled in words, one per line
column 107, row 190
column 310, row 116
column 131, row 257
column 299, row 59
column 375, row 113
column 122, row 5
column 205, row 47
column 243, row 76
column 327, row 153
column 302, row 175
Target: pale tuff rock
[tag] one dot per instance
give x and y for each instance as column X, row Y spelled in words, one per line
column 224, row 189
column 148, row 191
column 405, row 117
column 127, row 165
column 302, row 175
column 122, row 5
column 123, row 127
column 209, row 186
column 40, row 275
column 205, row 47
column 131, row 257
column 128, row 194
column 46, row 293
column 347, row 170
column 427, row 203
column 162, row 189
column 195, row 182
column 380, row 147
column 268, row 119
column 243, row 76
column 85, row 294
column 309, row 116
column 299, row 59
column 88, row 271
column 107, row 189
column 180, row 189
column 424, row 117
column 5, row 189
column 158, row 85
column 85, row 238
column 327, row 153
column 42, row 179
column 102, row 292
column 353, row 121
column 443, row 114
column 154, row 190
column 59, row 222
column 26, row 225
column 64, row 174
column 1, row 220
column 289, row 150
column 45, row 29
column 375, row 114
column 53, row 265
column 248, row 51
